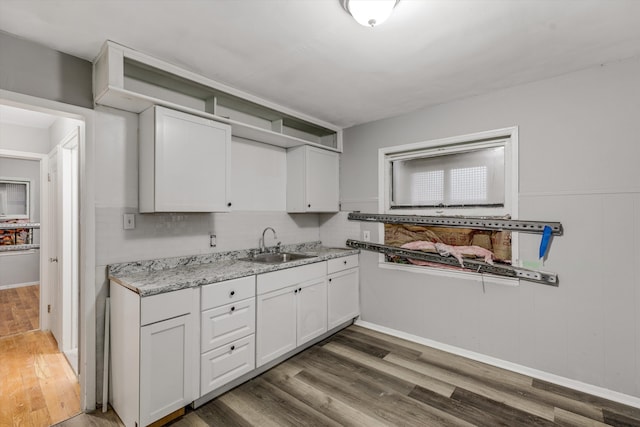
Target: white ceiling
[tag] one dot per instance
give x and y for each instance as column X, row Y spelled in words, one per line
column 311, row 56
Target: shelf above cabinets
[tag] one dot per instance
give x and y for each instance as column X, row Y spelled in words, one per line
column 132, row 81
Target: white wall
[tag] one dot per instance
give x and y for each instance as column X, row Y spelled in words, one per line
column 258, row 185
column 22, row 138
column 18, row 268
column 579, row 152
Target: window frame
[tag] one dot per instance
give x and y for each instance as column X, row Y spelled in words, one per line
column 27, row 183
column 451, row 145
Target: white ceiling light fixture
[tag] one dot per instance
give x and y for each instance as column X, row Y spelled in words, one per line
column 369, row 13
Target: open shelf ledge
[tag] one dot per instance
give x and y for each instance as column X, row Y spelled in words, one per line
column 132, row 81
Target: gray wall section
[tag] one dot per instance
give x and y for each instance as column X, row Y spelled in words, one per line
column 578, row 163
column 18, row 268
column 32, row 69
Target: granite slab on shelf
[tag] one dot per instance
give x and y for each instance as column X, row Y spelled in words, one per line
column 171, row 274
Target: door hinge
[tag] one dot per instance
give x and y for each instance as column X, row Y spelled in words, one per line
column 48, row 308
column 48, row 177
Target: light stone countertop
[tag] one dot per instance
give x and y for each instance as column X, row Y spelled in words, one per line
column 171, row 274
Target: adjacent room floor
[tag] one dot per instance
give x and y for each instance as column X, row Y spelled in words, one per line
column 365, row 378
column 19, row 310
column 37, row 385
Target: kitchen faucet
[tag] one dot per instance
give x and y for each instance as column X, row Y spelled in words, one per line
column 263, row 247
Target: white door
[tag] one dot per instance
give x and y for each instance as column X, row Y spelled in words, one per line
column 192, row 166
column 54, row 250
column 276, row 324
column 343, row 297
column 311, row 310
column 167, row 352
column 322, row 170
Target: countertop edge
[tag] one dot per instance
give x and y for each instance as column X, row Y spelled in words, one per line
column 252, row 268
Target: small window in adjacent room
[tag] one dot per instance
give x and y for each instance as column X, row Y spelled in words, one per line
column 14, row 199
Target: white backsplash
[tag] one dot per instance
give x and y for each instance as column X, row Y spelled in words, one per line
column 335, row 229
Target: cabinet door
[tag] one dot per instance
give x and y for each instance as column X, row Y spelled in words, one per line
column 166, row 359
column 225, row 324
column 321, row 180
column 226, row 363
column 276, row 324
column 311, row 310
column 343, row 297
column 191, row 163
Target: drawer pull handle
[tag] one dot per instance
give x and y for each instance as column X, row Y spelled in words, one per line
column 330, row 280
column 232, row 293
column 233, row 308
column 233, row 347
column 345, row 262
column 295, row 292
column 299, row 289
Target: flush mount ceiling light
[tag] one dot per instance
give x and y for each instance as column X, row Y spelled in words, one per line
column 369, row 13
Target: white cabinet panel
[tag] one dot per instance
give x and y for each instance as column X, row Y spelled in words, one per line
column 226, row 363
column 184, row 162
column 343, row 263
column 225, row 324
column 276, row 324
column 311, row 310
column 166, row 357
column 343, row 297
column 228, row 291
column 312, row 180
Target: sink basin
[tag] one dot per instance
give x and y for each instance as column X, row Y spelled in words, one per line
column 277, row 258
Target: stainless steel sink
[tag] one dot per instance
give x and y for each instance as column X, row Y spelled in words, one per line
column 276, row 258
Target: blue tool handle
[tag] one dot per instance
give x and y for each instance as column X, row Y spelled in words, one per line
column 546, row 239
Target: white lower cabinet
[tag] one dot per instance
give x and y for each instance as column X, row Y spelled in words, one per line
column 167, row 351
column 153, row 348
column 291, row 309
column 227, row 332
column 343, row 292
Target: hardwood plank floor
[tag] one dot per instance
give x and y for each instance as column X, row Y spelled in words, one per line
column 19, row 310
column 37, row 385
column 361, row 377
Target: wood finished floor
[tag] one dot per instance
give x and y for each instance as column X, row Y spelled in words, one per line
column 360, row 377
column 37, row 386
column 19, row 310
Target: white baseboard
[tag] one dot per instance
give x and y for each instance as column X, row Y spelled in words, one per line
column 534, row 373
column 18, row 285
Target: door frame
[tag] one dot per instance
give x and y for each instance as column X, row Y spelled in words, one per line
column 87, row 273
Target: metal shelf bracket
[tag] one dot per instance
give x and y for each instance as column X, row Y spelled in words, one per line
column 543, row 277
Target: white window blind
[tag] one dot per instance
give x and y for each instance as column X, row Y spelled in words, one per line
column 459, row 179
column 14, row 199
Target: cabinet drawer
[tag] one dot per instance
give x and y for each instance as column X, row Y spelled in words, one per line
column 168, row 305
column 226, row 363
column 275, row 280
column 338, row 264
column 228, row 323
column 221, row 293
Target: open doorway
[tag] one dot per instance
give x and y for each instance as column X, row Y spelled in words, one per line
column 32, row 361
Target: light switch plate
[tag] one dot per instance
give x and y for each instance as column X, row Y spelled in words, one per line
column 129, row 221
column 366, row 235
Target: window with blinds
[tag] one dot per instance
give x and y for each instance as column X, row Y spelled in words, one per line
column 469, row 178
column 14, row 199
column 467, row 175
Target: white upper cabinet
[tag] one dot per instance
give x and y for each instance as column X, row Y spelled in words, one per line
column 184, row 162
column 312, row 180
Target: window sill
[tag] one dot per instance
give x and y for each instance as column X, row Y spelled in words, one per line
column 463, row 275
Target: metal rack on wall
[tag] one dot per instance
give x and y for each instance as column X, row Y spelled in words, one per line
column 478, row 223
column 12, row 230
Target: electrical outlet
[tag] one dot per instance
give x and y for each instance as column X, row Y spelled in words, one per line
column 129, row 221
column 212, row 240
column 366, row 235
